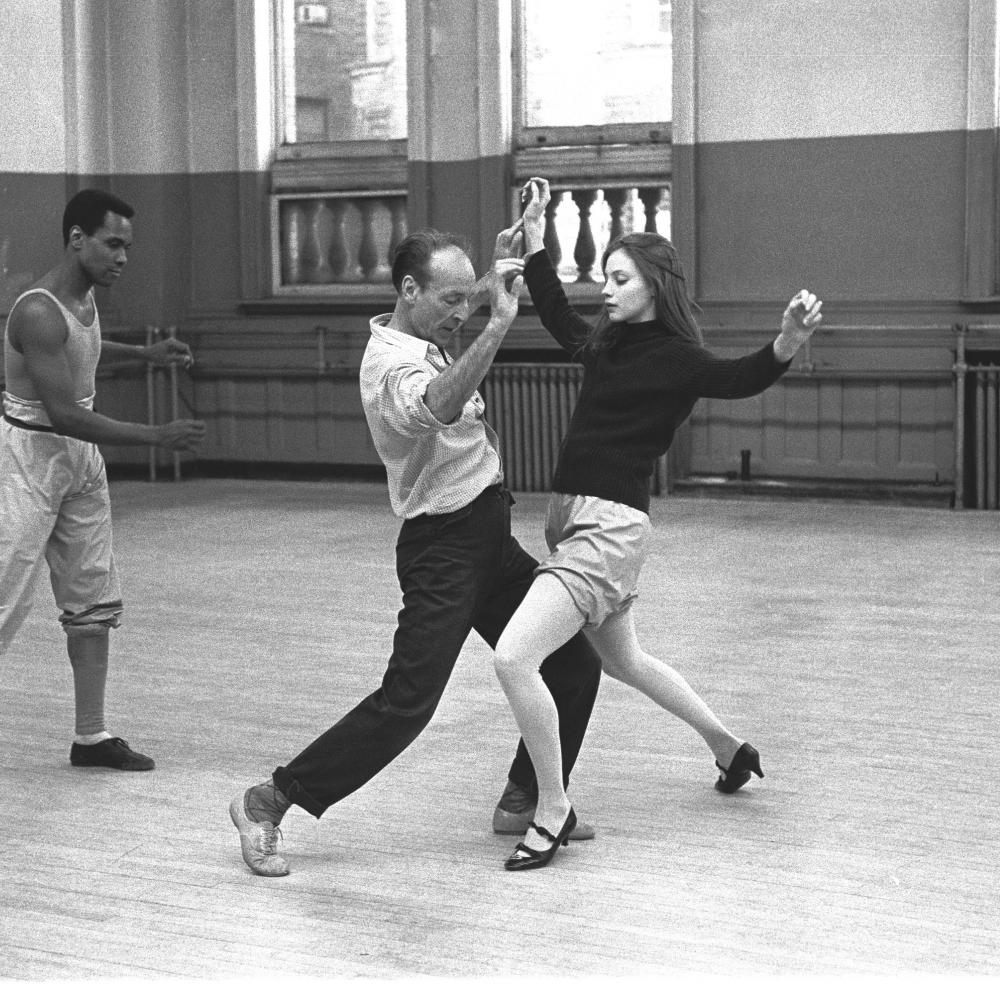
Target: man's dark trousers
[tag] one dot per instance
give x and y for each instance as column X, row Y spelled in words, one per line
column 458, row 572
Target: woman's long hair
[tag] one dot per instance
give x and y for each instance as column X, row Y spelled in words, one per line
column 657, row 261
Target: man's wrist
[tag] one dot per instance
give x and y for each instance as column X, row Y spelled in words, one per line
column 497, row 327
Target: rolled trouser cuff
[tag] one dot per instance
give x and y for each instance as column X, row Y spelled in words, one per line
column 290, row 787
column 93, row 620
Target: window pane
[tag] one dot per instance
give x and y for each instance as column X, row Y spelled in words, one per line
column 347, row 78
column 590, row 62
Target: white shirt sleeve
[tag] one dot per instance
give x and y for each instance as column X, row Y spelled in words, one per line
column 401, row 403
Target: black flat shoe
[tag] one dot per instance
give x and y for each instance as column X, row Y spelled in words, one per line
column 525, row 857
column 745, row 760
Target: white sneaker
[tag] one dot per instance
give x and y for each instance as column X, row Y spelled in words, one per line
column 257, row 841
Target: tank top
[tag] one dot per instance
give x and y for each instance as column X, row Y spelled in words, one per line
column 83, row 351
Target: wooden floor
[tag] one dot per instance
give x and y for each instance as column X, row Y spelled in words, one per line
column 855, row 645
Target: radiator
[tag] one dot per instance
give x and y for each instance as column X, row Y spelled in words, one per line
column 984, row 429
column 529, row 406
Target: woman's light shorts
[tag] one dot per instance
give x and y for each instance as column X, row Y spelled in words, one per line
column 597, row 548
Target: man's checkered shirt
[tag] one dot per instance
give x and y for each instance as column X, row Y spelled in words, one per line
column 432, row 467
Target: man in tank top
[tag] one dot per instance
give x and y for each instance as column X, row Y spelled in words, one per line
column 54, row 504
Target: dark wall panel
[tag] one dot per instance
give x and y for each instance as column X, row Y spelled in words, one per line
column 187, row 250
column 31, row 207
column 470, row 197
column 857, row 217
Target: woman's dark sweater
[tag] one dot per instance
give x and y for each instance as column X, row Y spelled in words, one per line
column 635, row 393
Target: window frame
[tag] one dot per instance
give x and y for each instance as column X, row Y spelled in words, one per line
column 313, row 171
column 640, row 138
column 617, row 155
column 332, row 163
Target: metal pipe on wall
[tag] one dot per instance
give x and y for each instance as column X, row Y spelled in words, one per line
column 174, row 408
column 151, row 334
column 960, row 370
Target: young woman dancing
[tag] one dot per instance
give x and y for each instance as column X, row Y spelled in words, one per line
column 644, row 369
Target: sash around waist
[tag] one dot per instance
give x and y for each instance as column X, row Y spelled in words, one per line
column 30, row 414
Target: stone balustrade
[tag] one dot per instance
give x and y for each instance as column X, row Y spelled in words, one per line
column 335, row 238
column 582, row 220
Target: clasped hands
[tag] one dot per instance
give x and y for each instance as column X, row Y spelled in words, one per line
column 508, row 253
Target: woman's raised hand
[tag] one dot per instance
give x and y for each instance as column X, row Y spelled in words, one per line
column 802, row 317
column 536, row 196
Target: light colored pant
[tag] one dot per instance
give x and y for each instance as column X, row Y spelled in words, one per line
column 54, row 505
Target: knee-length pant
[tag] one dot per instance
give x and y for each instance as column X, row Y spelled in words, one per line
column 458, row 572
column 54, row 506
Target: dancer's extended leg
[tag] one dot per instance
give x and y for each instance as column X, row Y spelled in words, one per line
column 546, row 618
column 624, row 659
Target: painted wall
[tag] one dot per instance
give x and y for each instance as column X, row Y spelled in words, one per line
column 821, row 143
column 816, row 142
column 33, row 153
column 139, row 97
column 460, row 120
column 827, row 144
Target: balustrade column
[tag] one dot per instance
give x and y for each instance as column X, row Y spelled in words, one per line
column 651, row 198
column 397, row 214
column 320, row 232
column 585, row 251
column 292, row 237
column 616, row 199
column 340, row 256
column 368, row 258
column 552, row 243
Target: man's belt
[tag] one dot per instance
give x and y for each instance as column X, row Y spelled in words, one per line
column 24, row 425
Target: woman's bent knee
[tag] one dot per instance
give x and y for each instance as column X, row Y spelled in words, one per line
column 626, row 670
column 510, row 667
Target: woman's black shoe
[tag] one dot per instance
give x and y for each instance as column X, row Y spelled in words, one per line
column 745, row 760
column 525, row 857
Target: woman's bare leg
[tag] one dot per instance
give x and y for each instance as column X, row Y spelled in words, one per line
column 546, row 618
column 624, row 659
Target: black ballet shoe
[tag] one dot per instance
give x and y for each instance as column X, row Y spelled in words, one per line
column 525, row 857
column 745, row 760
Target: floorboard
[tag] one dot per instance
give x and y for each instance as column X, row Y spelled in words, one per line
column 855, row 645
